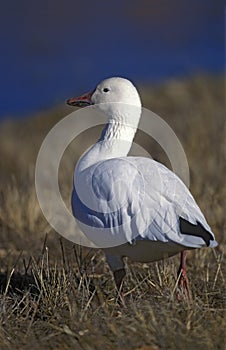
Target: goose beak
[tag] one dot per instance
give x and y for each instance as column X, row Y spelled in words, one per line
column 81, row 101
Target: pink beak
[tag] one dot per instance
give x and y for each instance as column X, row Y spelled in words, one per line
column 81, row 101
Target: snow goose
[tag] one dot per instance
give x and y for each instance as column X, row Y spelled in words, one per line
column 132, row 206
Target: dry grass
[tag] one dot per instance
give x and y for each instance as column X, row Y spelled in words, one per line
column 58, row 296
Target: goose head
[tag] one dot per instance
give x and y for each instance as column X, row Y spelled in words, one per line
column 116, row 97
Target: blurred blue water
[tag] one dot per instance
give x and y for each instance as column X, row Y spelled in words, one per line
column 51, row 50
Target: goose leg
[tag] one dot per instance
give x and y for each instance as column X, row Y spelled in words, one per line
column 117, row 266
column 183, row 283
column 118, row 277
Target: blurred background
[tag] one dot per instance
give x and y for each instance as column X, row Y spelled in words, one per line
column 51, row 49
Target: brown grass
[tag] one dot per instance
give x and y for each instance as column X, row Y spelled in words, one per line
column 55, row 295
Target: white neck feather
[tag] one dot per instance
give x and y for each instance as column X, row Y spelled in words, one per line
column 116, row 130
column 115, row 141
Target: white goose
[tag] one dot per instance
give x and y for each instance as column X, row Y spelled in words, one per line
column 132, row 206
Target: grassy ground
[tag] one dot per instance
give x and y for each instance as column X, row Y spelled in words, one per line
column 55, row 295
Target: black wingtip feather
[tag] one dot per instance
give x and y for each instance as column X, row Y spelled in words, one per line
column 197, row 230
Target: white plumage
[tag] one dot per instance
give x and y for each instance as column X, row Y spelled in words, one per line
column 131, row 206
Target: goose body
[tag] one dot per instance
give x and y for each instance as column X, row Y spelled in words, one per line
column 131, row 206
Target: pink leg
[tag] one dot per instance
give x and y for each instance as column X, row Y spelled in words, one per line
column 183, row 283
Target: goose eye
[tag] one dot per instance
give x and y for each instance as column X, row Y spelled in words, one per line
column 106, row 90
